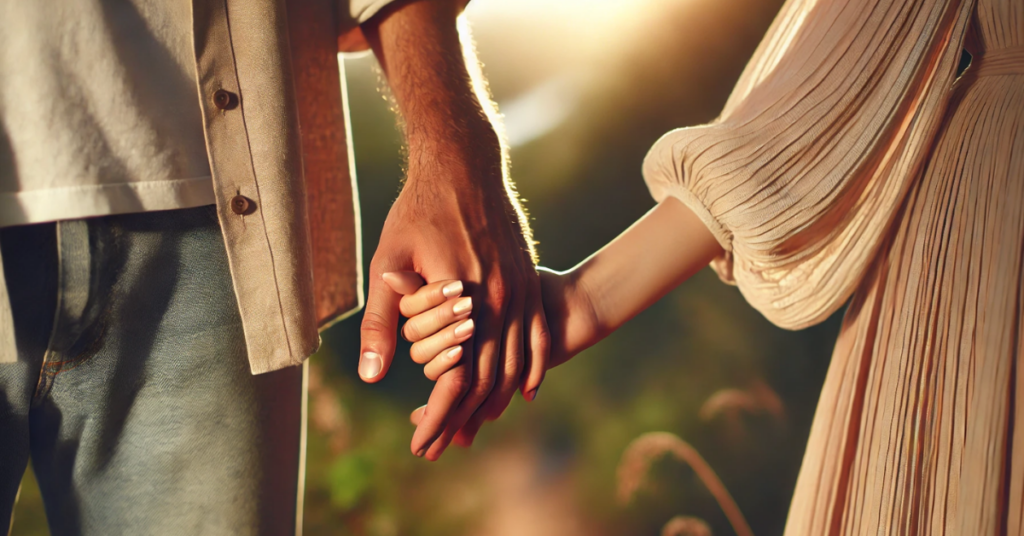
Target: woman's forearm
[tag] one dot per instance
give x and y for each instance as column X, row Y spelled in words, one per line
column 656, row 254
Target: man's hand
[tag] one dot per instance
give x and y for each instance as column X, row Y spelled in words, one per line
column 456, row 218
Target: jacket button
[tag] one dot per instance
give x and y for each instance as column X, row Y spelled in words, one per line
column 241, row 205
column 224, row 99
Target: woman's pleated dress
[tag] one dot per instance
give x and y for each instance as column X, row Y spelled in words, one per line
column 850, row 161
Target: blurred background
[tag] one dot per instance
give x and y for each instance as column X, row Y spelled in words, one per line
column 586, row 87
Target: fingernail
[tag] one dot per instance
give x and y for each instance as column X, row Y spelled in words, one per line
column 532, row 395
column 454, row 353
column 464, row 328
column 463, row 305
column 417, row 415
column 370, row 365
column 421, row 452
column 452, row 289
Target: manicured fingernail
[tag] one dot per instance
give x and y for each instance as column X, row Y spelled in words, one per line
column 532, row 395
column 462, row 306
column 454, row 353
column 452, row 289
column 370, row 365
column 464, row 328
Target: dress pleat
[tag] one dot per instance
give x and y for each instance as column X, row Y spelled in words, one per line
column 850, row 161
column 926, row 365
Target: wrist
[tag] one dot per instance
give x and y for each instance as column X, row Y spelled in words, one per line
column 456, row 157
column 472, row 143
column 572, row 315
column 586, row 305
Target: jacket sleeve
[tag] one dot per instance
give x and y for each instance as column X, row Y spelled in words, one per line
column 351, row 14
column 803, row 173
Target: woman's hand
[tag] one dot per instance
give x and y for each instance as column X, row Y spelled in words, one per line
column 587, row 303
column 438, row 318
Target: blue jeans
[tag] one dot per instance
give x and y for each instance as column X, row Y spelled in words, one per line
column 132, row 394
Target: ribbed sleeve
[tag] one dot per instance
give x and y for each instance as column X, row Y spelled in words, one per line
column 809, row 162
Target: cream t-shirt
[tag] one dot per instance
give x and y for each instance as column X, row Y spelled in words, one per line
column 99, row 109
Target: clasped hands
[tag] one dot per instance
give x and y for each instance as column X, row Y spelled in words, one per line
column 465, row 237
column 455, row 258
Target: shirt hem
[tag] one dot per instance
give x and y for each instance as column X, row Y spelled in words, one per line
column 76, row 202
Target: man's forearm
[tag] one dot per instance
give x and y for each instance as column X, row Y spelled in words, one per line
column 418, row 46
column 448, row 117
column 457, row 217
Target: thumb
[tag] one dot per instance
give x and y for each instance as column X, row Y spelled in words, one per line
column 404, row 283
column 378, row 330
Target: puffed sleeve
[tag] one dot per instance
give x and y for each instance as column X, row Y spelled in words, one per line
column 804, row 171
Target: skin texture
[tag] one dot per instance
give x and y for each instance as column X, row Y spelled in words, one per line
column 599, row 295
column 456, row 218
column 589, row 302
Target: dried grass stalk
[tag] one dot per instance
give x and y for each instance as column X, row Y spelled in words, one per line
column 641, row 453
column 685, row 526
column 760, row 398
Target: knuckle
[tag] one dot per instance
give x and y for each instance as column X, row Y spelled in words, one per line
column 405, row 307
column 418, row 354
column 458, row 385
column 437, row 294
column 381, row 262
column 374, row 323
column 513, row 366
column 412, row 332
column 442, row 315
column 479, row 394
column 483, row 386
column 498, row 289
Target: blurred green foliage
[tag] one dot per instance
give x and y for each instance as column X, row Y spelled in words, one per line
column 549, row 467
column 351, row 476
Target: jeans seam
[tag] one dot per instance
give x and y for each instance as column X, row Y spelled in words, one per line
column 45, row 377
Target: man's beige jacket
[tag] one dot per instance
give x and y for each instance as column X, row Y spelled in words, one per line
column 278, row 142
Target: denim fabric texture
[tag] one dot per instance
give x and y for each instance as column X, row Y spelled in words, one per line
column 132, row 394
